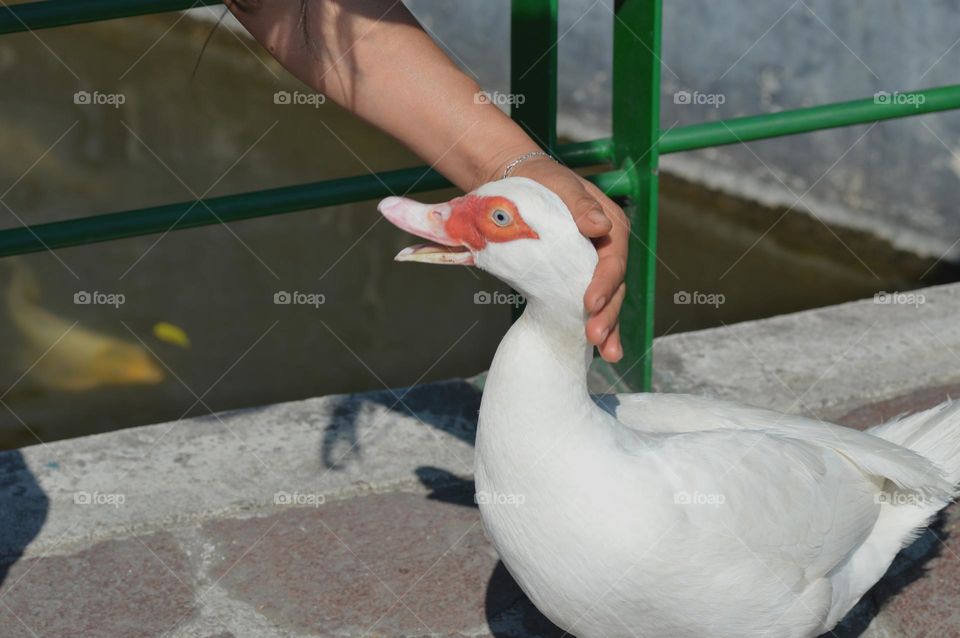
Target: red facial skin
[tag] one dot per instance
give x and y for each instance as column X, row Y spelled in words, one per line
column 471, row 221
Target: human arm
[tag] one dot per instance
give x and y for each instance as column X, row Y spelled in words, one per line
column 373, row 58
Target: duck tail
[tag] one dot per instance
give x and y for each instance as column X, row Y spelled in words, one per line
column 933, row 433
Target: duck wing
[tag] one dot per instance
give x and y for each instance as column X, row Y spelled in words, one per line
column 807, row 507
column 762, row 513
column 684, row 413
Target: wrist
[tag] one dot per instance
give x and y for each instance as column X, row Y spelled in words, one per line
column 493, row 141
column 499, row 159
column 532, row 156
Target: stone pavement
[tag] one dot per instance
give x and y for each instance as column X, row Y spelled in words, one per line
column 353, row 515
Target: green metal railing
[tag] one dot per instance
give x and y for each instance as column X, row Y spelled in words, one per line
column 631, row 154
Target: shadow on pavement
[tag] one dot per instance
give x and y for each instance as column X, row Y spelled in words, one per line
column 23, row 510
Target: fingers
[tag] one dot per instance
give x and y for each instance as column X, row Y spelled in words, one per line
column 612, row 265
column 603, row 323
column 611, row 349
column 606, row 292
column 609, row 274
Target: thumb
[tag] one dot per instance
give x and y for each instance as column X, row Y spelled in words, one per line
column 588, row 214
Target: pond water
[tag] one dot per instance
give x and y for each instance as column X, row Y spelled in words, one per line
column 186, row 323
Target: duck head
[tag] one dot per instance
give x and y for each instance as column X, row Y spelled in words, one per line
column 516, row 229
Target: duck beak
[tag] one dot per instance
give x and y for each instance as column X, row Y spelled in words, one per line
column 429, row 222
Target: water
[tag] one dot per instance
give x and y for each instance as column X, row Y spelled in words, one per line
column 198, row 329
column 754, row 262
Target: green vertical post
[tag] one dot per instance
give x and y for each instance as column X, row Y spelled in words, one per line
column 636, row 127
column 533, row 68
column 533, row 73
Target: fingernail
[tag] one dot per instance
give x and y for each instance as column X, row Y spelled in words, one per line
column 600, row 303
column 603, row 335
column 598, row 217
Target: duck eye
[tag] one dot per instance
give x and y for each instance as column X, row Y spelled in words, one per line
column 501, row 217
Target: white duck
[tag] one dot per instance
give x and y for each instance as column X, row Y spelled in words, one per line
column 659, row 514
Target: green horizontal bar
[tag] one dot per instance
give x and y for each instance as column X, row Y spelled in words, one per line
column 31, row 16
column 592, row 153
column 613, row 183
column 275, row 201
column 768, row 125
column 158, row 219
column 756, row 127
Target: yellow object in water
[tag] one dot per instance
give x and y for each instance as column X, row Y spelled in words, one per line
column 171, row 334
column 60, row 355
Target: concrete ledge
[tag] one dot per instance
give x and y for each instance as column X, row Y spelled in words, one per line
column 173, row 473
column 352, row 515
column 825, row 362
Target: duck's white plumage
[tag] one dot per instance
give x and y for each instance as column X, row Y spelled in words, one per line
column 671, row 515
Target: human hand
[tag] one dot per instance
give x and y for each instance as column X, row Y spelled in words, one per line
column 600, row 219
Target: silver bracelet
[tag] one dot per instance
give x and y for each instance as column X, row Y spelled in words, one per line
column 520, row 160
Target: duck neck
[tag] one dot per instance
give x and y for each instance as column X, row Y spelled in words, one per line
column 535, row 395
column 543, row 360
